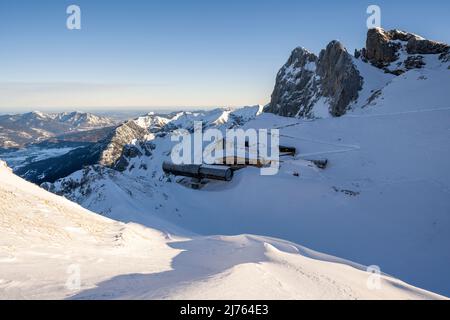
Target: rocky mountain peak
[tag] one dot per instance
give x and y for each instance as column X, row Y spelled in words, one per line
column 305, row 78
column 296, row 87
column 310, row 86
column 301, row 57
column 340, row 79
column 397, row 51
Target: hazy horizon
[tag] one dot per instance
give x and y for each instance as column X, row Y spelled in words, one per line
column 110, row 111
column 176, row 53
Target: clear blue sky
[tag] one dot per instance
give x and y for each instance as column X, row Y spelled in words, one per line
column 165, row 53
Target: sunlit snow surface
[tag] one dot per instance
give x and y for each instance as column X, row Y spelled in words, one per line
column 45, row 237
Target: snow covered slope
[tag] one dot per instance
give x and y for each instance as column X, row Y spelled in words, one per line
column 44, row 238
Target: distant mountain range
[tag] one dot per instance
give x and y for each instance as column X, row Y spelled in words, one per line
column 17, row 131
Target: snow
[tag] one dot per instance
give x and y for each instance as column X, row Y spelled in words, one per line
column 417, row 90
column 22, row 157
column 151, row 120
column 45, row 237
column 374, row 80
column 185, row 119
column 248, row 113
column 321, row 109
column 310, row 66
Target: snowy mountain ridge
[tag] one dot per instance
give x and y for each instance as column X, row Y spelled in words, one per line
column 211, row 118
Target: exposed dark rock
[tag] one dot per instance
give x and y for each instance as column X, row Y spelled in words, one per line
column 423, row 46
column 296, row 86
column 116, row 142
column 68, row 185
column 380, row 49
column 445, row 57
column 384, row 47
column 304, row 79
column 121, row 164
column 133, row 151
column 414, row 62
column 340, row 80
column 375, row 95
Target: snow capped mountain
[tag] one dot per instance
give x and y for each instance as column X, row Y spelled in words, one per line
column 308, row 86
column 52, row 248
column 19, row 130
column 185, row 119
column 397, row 51
column 152, row 122
column 83, row 120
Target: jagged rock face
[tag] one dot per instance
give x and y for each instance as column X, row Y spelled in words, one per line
column 340, row 79
column 122, row 136
column 384, row 47
column 305, row 78
column 132, row 151
column 414, row 62
column 423, row 46
column 381, row 49
column 296, row 86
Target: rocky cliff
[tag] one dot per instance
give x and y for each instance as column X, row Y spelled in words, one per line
column 306, row 78
column 310, row 86
column 397, row 51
